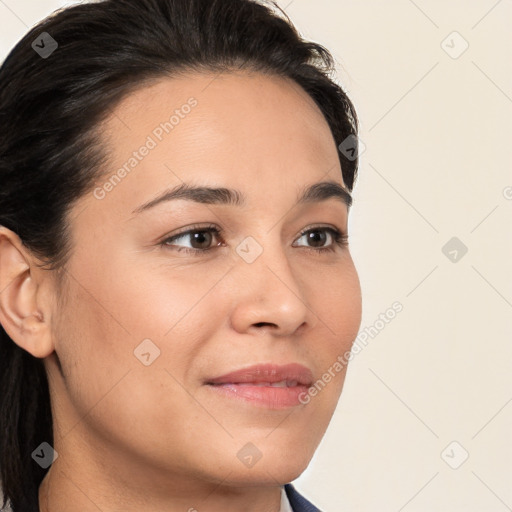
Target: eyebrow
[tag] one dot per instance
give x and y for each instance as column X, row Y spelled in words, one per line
column 321, row 191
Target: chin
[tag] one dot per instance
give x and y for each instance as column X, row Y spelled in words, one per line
column 280, row 467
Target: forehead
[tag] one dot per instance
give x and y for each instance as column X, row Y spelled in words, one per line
column 249, row 130
column 229, row 92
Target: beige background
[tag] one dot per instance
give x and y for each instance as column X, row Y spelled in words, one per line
column 437, row 129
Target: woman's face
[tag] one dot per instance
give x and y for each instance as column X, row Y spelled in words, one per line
column 147, row 325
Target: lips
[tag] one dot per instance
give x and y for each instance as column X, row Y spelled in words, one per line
column 268, row 385
column 272, row 375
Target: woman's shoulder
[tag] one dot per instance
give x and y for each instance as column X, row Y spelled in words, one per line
column 297, row 501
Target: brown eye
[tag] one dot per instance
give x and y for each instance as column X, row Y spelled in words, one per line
column 200, row 239
column 318, row 236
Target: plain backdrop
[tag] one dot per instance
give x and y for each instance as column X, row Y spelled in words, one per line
column 425, row 418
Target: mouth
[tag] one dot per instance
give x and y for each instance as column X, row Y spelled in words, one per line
column 268, row 385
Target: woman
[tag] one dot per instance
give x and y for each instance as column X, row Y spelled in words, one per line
column 176, row 284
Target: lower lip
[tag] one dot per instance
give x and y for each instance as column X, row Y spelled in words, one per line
column 266, row 396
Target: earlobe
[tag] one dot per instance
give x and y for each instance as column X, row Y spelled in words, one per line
column 20, row 315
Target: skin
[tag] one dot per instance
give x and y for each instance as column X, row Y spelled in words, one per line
column 134, row 437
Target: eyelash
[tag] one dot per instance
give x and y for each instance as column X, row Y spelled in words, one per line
column 340, row 239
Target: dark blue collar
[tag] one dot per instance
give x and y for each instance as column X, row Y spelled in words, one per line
column 297, row 501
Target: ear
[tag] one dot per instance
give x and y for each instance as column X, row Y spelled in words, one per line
column 24, row 320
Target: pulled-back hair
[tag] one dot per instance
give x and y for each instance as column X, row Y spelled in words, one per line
column 51, row 151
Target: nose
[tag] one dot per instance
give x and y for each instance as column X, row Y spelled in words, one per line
column 271, row 295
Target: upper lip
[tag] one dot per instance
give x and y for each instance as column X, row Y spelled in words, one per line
column 267, row 373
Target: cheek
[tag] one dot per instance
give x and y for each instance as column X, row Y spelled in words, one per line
column 94, row 335
column 107, row 387
column 336, row 300
column 337, row 303
column 153, row 298
column 106, row 323
column 348, row 312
